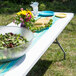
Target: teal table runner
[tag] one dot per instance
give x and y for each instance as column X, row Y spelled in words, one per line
column 4, row 67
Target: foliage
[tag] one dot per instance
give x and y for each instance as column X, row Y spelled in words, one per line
column 7, row 6
column 24, row 1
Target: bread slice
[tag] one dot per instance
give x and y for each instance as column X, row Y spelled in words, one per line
column 42, row 21
column 39, row 25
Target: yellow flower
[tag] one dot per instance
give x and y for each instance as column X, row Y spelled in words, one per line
column 19, row 13
column 23, row 12
column 30, row 13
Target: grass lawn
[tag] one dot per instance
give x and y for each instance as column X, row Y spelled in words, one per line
column 51, row 63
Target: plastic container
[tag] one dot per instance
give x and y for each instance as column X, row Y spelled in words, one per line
column 16, row 52
column 34, row 5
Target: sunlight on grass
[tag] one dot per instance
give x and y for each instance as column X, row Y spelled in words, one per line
column 6, row 18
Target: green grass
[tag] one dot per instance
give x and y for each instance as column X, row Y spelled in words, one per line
column 51, row 63
column 6, row 18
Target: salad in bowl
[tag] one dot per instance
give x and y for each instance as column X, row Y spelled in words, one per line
column 14, row 42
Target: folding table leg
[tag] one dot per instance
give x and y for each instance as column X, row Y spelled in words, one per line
column 57, row 42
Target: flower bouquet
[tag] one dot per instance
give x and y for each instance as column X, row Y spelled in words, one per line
column 25, row 17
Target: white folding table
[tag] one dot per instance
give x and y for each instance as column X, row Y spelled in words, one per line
column 24, row 65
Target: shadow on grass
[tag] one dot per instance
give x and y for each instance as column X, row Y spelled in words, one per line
column 40, row 68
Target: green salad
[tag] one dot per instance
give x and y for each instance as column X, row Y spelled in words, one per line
column 11, row 40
